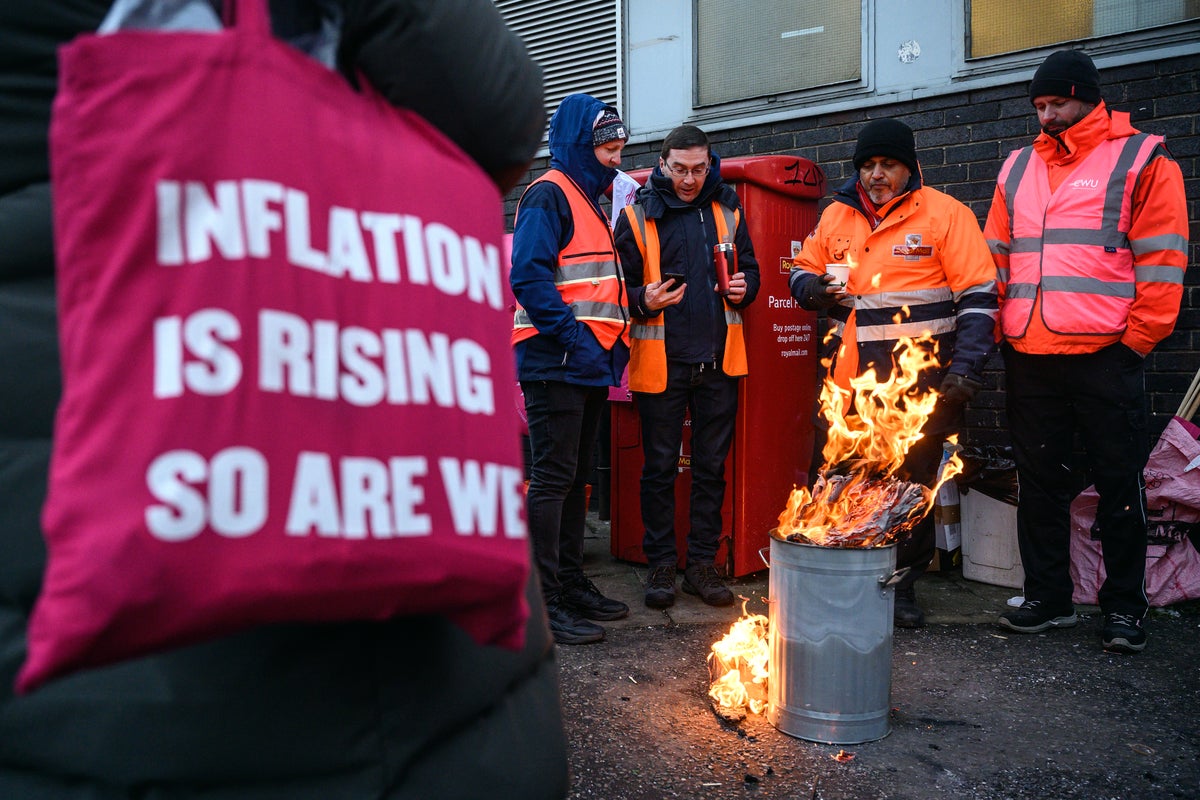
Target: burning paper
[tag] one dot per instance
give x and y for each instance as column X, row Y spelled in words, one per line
column 858, row 501
column 737, row 668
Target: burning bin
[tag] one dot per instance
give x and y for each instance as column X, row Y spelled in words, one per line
column 831, row 641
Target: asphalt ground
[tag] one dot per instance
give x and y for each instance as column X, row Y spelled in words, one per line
column 976, row 712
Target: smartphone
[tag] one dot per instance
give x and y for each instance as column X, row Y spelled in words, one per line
column 676, row 277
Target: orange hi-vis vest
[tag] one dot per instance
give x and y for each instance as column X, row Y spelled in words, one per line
column 586, row 275
column 648, row 349
column 1072, row 244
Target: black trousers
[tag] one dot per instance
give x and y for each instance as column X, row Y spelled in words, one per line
column 711, row 397
column 563, row 420
column 1102, row 397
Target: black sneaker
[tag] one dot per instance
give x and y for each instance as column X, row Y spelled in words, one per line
column 1034, row 616
column 703, row 580
column 583, row 596
column 1122, row 633
column 570, row 628
column 906, row 613
column 660, row 587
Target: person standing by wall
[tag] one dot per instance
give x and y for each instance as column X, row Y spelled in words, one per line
column 1088, row 228
column 688, row 351
column 920, row 265
column 570, row 331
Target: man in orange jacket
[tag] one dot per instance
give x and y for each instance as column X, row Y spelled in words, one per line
column 1088, row 228
column 918, row 265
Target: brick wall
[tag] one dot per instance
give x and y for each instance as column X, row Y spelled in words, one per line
column 961, row 143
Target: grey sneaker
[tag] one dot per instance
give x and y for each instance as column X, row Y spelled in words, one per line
column 660, row 587
column 1122, row 633
column 703, row 580
column 1034, row 616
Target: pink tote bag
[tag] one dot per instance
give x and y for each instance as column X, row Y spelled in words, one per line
column 285, row 353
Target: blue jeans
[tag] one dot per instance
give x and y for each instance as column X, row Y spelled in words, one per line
column 563, row 419
column 711, row 397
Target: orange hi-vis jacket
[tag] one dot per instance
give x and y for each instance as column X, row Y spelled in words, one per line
column 648, row 347
column 1092, row 254
column 587, row 275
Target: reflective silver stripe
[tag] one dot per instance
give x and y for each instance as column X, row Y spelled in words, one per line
column 1157, row 273
column 1020, row 163
column 583, row 310
column 594, row 309
column 987, row 287
column 578, row 271
column 1165, row 241
column 916, row 297
column 891, row 331
column 647, row 332
column 1054, row 283
column 1114, row 195
column 1026, row 244
column 997, row 247
column 1021, row 291
column 639, row 218
column 987, row 312
column 1002, row 274
column 733, row 316
column 837, row 327
column 730, row 220
column 1107, row 237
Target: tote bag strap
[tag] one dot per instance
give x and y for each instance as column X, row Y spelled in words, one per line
column 248, row 16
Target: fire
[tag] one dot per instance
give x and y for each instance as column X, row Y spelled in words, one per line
column 737, row 667
column 857, row 500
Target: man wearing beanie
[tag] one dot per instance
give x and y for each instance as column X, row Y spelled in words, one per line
column 571, row 334
column 1088, row 228
column 918, row 264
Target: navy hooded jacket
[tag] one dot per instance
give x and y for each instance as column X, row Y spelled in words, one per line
column 565, row 349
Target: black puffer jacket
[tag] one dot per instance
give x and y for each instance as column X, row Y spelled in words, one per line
column 362, row 711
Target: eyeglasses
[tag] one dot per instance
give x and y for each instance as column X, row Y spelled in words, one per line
column 682, row 172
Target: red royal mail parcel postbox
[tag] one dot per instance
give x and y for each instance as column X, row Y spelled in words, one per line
column 772, row 443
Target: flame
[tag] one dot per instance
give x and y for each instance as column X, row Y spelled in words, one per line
column 738, row 666
column 858, row 501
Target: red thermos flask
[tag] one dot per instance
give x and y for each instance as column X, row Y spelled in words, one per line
column 725, row 260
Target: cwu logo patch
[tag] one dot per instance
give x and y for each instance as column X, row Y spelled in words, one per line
column 912, row 249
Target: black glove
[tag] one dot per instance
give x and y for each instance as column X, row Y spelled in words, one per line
column 957, row 390
column 816, row 292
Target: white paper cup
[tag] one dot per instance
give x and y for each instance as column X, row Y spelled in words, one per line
column 840, row 273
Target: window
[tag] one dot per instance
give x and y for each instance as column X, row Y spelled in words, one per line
column 1005, row 26
column 574, row 41
column 782, row 46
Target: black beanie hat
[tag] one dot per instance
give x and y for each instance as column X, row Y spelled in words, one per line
column 607, row 127
column 890, row 138
column 1067, row 73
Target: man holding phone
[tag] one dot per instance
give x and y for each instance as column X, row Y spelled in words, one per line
column 689, row 266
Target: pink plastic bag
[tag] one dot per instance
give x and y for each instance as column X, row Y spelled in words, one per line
column 285, row 352
column 1173, row 501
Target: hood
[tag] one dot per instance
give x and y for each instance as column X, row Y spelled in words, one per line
column 571, row 149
